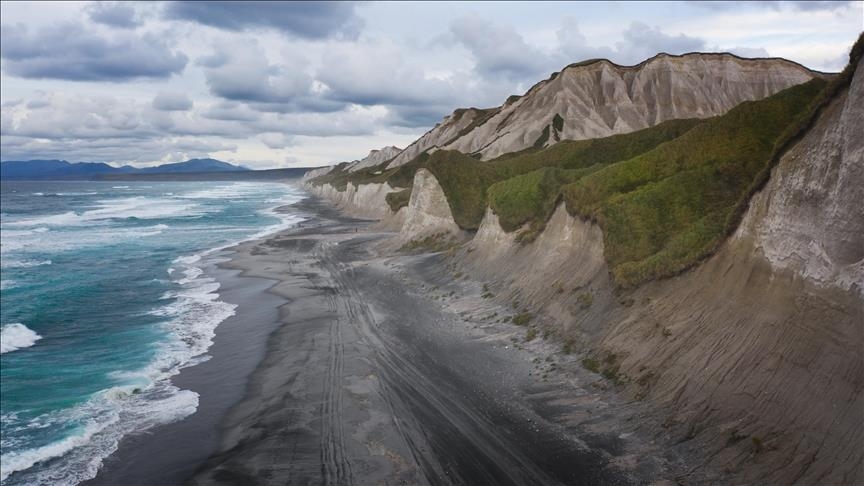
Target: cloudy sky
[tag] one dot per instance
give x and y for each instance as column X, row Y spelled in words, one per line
column 303, row 84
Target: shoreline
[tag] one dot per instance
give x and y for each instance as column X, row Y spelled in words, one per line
column 386, row 369
column 220, row 381
column 372, row 368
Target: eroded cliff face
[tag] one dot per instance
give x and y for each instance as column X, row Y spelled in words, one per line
column 375, row 157
column 364, row 201
column 428, row 212
column 442, row 134
column 311, row 174
column 754, row 356
column 599, row 99
column 810, row 217
column 564, row 261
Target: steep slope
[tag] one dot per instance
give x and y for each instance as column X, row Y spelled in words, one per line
column 821, row 182
column 452, row 127
column 754, row 356
column 375, row 157
column 749, row 348
column 598, row 98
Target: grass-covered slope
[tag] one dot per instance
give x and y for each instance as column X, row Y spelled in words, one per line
column 665, row 209
column 466, row 180
column 665, row 196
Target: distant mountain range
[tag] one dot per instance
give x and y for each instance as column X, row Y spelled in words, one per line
column 63, row 170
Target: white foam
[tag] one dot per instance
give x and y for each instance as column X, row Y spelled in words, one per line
column 147, row 397
column 8, row 284
column 234, row 190
column 16, row 336
column 68, row 218
column 21, row 460
column 28, row 241
column 13, row 263
column 104, row 419
column 19, row 233
column 122, row 208
column 119, row 187
column 187, row 260
column 146, row 400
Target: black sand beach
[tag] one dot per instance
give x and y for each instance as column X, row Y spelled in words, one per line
column 348, row 365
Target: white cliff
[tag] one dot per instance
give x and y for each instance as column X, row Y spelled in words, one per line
column 599, row 98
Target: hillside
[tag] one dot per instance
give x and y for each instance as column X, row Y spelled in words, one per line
column 375, row 157
column 710, row 266
column 664, row 195
column 598, row 98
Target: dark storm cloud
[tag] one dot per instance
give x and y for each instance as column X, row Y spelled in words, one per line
column 70, row 52
column 115, row 14
column 310, row 20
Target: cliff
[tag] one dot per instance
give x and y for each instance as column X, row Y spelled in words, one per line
column 375, row 157
column 599, row 98
column 754, row 356
column 750, row 353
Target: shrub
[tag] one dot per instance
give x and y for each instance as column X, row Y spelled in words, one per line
column 758, row 445
column 523, row 319
column 585, row 300
column 667, row 208
column 591, row 365
column 398, row 200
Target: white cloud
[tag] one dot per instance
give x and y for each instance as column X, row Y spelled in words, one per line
column 323, row 83
column 171, row 101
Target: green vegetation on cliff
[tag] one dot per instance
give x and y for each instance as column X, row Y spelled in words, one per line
column 665, row 197
column 667, row 208
column 466, row 180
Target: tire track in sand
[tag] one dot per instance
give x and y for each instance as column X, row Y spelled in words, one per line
column 335, row 465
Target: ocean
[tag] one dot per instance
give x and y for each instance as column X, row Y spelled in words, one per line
column 103, row 300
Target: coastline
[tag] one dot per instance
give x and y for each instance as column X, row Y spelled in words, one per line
column 368, row 367
column 169, row 453
column 386, row 369
column 239, row 345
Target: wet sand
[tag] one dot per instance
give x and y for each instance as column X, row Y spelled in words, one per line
column 350, row 365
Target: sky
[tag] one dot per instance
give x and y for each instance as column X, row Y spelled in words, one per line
column 301, row 84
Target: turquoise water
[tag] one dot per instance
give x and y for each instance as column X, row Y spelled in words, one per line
column 103, row 300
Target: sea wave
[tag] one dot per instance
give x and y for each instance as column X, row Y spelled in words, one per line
column 138, row 207
column 231, row 191
column 146, row 398
column 103, row 421
column 30, row 241
column 17, row 336
column 14, row 263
